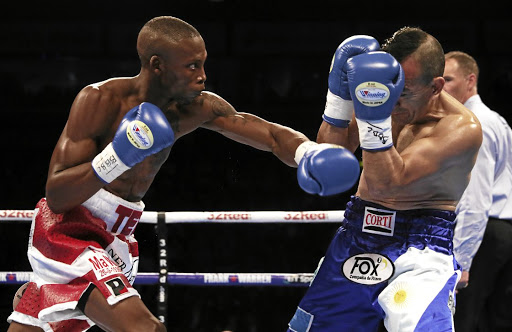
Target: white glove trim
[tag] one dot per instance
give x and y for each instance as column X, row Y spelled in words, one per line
column 375, row 134
column 301, row 150
column 107, row 164
column 338, row 108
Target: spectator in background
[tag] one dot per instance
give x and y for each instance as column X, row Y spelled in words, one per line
column 483, row 234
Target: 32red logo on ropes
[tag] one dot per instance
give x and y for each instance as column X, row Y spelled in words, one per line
column 229, row 216
column 305, row 216
column 16, row 214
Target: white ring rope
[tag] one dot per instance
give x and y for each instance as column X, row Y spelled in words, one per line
column 150, row 217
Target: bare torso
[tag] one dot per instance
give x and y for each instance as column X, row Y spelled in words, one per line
column 184, row 118
column 436, row 161
column 96, row 114
column 134, row 183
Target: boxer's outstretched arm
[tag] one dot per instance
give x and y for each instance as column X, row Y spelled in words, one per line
column 254, row 131
column 323, row 169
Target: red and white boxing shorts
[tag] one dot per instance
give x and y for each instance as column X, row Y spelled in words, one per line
column 92, row 244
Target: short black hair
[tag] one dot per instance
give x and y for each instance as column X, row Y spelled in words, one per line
column 413, row 40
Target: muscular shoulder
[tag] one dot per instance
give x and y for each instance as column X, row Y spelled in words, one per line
column 202, row 111
column 216, row 105
column 212, row 108
column 208, row 106
column 461, row 128
column 97, row 106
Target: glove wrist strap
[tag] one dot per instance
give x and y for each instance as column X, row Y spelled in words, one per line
column 375, row 135
column 338, row 111
column 301, row 150
column 107, row 164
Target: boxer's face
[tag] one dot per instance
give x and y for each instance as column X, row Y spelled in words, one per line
column 415, row 95
column 183, row 73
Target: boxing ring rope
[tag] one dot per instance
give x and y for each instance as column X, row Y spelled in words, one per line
column 196, row 279
column 150, row 217
column 163, row 278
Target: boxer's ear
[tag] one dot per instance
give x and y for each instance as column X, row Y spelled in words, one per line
column 437, row 85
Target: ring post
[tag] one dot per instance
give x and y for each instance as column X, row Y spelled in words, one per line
column 161, row 231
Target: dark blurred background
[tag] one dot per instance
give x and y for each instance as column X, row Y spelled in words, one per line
column 270, row 58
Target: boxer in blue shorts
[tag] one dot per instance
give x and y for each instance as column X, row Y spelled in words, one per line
column 392, row 260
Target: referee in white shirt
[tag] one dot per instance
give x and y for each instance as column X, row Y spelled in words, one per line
column 483, row 234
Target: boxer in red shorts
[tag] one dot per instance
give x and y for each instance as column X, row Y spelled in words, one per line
column 118, row 134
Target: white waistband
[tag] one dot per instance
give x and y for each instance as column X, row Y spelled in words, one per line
column 120, row 216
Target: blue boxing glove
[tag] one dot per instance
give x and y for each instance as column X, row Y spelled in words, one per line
column 376, row 81
column 143, row 131
column 338, row 107
column 325, row 169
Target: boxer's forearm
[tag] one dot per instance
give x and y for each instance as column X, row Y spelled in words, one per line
column 71, row 187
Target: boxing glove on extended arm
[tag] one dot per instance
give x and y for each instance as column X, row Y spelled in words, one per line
column 143, row 131
column 338, row 106
column 376, row 81
column 325, row 169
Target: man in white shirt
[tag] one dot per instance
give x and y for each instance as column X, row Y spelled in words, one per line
column 483, row 234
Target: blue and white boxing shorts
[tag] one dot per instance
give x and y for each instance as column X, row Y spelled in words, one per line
column 383, row 264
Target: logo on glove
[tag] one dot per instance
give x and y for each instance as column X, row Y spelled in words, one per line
column 372, row 94
column 139, row 135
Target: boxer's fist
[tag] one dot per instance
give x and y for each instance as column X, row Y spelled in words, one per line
column 143, row 131
column 350, row 47
column 338, row 108
column 376, row 81
column 327, row 169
